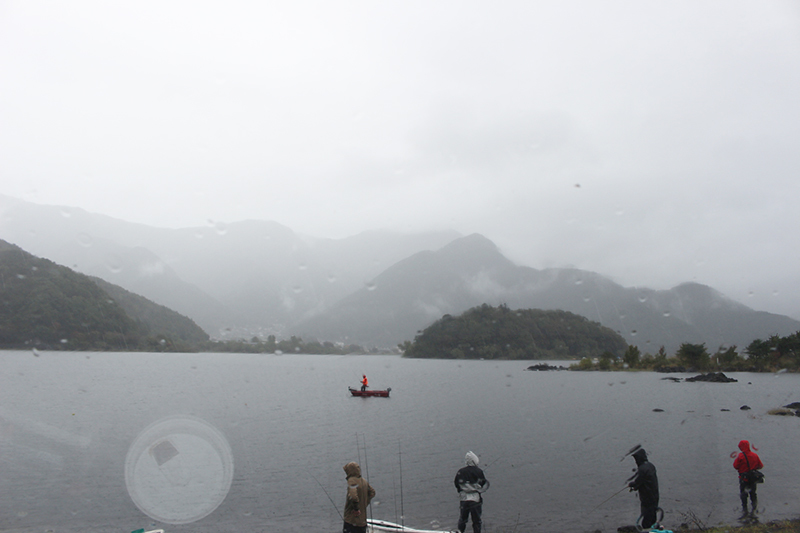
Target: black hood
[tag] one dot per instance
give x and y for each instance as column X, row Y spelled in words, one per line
column 641, row 456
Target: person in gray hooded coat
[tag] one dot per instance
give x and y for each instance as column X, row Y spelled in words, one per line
column 470, row 483
column 359, row 494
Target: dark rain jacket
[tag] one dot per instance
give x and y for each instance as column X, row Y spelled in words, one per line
column 470, row 481
column 645, row 481
column 359, row 494
column 746, row 460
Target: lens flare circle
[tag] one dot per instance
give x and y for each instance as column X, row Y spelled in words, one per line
column 179, row 470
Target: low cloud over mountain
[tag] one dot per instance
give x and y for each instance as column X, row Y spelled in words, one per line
column 375, row 289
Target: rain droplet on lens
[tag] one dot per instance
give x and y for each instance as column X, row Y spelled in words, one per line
column 21, row 276
column 64, row 341
column 65, row 213
column 303, row 266
column 578, row 281
column 297, row 289
column 667, row 313
column 643, row 299
column 85, row 240
column 221, row 228
column 114, row 265
column 633, row 333
column 331, row 278
column 371, row 286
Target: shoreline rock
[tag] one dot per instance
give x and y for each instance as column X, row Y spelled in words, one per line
column 713, row 377
column 545, row 367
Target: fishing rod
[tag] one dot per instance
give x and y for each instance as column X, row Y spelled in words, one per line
column 487, row 465
column 607, row 499
column 328, row 495
column 366, row 467
column 402, row 511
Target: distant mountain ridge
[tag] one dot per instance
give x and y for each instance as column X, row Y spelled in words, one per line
column 375, row 289
column 471, row 271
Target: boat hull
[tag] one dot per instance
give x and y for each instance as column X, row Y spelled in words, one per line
column 370, row 393
column 381, row 526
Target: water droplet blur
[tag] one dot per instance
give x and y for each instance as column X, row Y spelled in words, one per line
column 586, row 298
column 199, row 235
column 85, row 240
column 297, row 289
column 633, row 333
column 331, row 278
column 667, row 313
column 114, row 264
column 578, row 281
column 751, row 293
column 371, row 286
column 21, row 276
column 221, row 228
column 643, row 299
column 619, row 212
column 303, row 266
column 65, row 213
column 64, row 341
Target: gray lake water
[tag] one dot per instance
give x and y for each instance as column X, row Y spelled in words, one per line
column 230, row 442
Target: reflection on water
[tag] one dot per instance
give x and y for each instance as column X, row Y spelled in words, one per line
column 553, row 444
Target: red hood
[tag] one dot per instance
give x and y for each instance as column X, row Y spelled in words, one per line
column 744, row 445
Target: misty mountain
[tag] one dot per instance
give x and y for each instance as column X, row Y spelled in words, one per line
column 46, row 305
column 157, row 319
column 471, row 271
column 241, row 279
column 374, row 289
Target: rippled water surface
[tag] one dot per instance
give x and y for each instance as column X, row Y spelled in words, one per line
column 228, row 442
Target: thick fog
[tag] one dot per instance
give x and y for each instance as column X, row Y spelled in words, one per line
column 654, row 142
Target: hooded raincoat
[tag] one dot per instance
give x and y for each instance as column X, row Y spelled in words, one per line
column 646, row 483
column 744, row 462
column 470, row 483
column 359, row 494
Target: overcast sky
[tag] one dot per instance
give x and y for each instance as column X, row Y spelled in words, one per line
column 654, row 142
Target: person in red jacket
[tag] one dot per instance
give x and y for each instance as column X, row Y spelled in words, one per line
column 364, row 382
column 745, row 462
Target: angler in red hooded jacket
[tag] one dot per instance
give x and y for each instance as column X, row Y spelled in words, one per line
column 745, row 462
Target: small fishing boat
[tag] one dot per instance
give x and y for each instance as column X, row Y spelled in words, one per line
column 381, row 526
column 367, row 393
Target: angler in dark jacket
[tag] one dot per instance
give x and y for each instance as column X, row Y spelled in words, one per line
column 646, row 483
column 744, row 463
column 470, row 483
